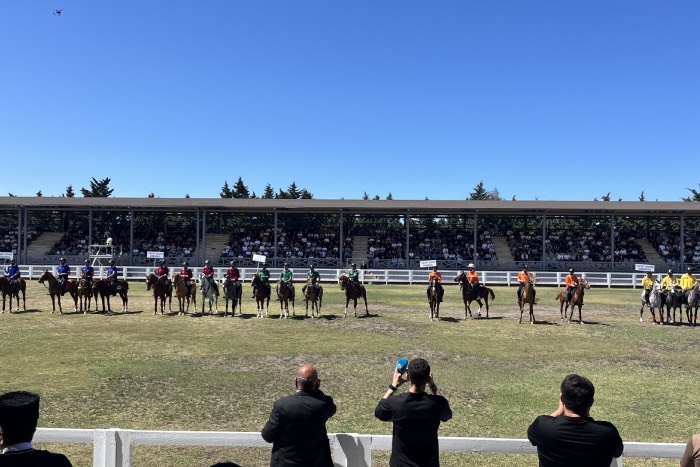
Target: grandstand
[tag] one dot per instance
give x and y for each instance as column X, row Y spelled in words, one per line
column 497, row 235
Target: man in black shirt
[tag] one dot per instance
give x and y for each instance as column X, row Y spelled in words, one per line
column 19, row 414
column 569, row 436
column 416, row 416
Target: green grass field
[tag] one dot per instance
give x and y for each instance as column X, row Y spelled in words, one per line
column 140, row 371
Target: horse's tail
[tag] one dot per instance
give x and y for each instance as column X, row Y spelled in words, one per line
column 493, row 295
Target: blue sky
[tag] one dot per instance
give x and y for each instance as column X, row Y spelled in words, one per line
column 554, row 100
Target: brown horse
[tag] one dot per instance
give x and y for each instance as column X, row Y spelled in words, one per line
column 469, row 295
column 315, row 297
column 13, row 290
column 576, row 300
column 528, row 297
column 181, row 293
column 284, row 294
column 103, row 288
column 55, row 290
column 160, row 291
column 262, row 296
column 434, row 301
column 84, row 293
column 352, row 292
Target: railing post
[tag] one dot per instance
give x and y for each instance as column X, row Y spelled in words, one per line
column 352, row 450
column 112, row 448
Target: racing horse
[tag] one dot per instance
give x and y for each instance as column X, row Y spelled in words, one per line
column 469, row 295
column 182, row 295
column 262, row 296
column 693, row 302
column 284, row 294
column 8, row 288
column 311, row 295
column 434, row 300
column 674, row 301
column 208, row 293
column 352, row 292
column 160, row 291
column 55, row 290
column 233, row 292
column 654, row 303
column 103, row 288
column 528, row 298
column 85, row 293
column 576, row 300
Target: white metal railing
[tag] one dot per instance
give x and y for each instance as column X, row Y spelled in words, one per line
column 112, row 447
column 378, row 276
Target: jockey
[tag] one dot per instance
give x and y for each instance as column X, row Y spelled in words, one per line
column 354, row 275
column 112, row 274
column 435, row 275
column 687, row 282
column 647, row 285
column 87, row 272
column 63, row 271
column 186, row 274
column 264, row 276
column 473, row 278
column 162, row 273
column 668, row 283
column 286, row 277
column 208, row 272
column 12, row 273
column 571, row 284
column 233, row 273
column 313, row 278
column 524, row 278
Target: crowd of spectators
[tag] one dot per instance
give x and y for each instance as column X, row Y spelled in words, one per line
column 324, row 243
column 589, row 245
column 525, row 245
column 8, row 237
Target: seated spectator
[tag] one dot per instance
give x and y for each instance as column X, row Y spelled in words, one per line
column 691, row 456
column 19, row 414
column 570, row 436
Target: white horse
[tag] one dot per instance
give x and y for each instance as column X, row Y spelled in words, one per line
column 654, row 303
column 208, row 293
column 693, row 302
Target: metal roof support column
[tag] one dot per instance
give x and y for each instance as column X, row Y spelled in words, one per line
column 342, row 242
column 19, row 234
column 476, row 255
column 612, row 242
column 275, row 250
column 204, row 237
column 544, row 242
column 682, row 245
column 196, row 235
column 131, row 238
column 407, row 221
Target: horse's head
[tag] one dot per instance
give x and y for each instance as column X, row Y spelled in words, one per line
column 44, row 276
column 150, row 280
column 584, row 284
column 343, row 281
column 460, row 277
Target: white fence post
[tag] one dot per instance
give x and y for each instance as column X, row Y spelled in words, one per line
column 112, row 448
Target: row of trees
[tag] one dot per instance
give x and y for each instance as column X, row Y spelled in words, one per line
column 101, row 189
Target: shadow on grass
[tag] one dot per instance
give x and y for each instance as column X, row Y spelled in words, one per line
column 490, row 318
column 546, row 323
column 122, row 313
column 22, row 312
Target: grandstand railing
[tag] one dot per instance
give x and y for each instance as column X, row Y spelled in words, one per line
column 377, row 276
column 112, row 447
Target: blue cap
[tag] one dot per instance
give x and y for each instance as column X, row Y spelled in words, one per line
column 402, row 365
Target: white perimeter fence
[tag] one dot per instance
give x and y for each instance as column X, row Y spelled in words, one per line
column 112, row 447
column 378, row 276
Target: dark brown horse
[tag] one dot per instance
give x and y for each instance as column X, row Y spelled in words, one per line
column 103, row 288
column 160, row 291
column 284, row 294
column 674, row 301
column 55, row 290
column 183, row 298
column 352, row 292
column 13, row 290
column 85, row 293
column 434, row 301
column 469, row 295
column 262, row 296
column 315, row 297
column 528, row 298
column 576, row 300
column 233, row 292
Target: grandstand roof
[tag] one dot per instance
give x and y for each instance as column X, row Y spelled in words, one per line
column 365, row 206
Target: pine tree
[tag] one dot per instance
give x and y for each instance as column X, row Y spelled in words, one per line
column 605, row 197
column 240, row 190
column 641, row 196
column 151, row 195
column 481, row 193
column 39, row 194
column 389, row 197
column 226, row 191
column 695, row 193
column 293, row 191
column 305, row 194
column 376, row 198
column 269, row 193
column 365, row 197
column 98, row 189
column 69, row 192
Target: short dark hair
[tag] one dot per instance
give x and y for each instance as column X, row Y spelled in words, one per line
column 19, row 415
column 419, row 371
column 577, row 393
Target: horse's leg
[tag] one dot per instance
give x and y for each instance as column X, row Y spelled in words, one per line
column 347, row 302
column 486, row 302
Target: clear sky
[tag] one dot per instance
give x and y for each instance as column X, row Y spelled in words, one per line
column 554, row 100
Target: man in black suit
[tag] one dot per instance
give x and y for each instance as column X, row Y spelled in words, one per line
column 19, row 414
column 297, row 424
column 416, row 416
